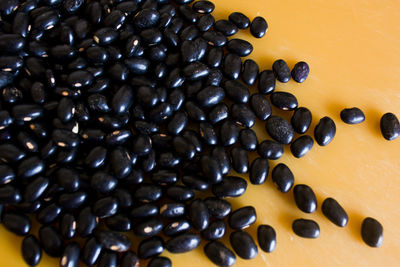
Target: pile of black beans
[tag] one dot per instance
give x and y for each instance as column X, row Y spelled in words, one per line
column 128, row 116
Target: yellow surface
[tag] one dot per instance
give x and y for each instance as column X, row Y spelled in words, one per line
column 353, row 49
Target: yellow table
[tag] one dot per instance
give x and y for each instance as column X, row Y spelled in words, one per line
column 353, row 49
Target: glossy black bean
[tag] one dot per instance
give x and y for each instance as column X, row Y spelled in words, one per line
column 91, row 251
column 164, row 177
column 80, row 78
column 183, row 243
column 49, row 214
column 260, row 106
column 151, row 247
column 205, row 22
column 325, row 131
column 29, row 207
column 214, row 57
column 141, row 145
column 11, row 43
column 180, row 193
column 240, row 160
column 105, row 207
column 176, row 99
column 146, row 18
column 176, row 227
column 300, row 71
column 266, row 237
column 10, row 94
column 177, row 123
column 189, row 33
column 301, row 146
column 203, row 7
column 279, row 129
column 113, row 241
column 199, row 215
column 242, row 217
column 187, row 13
column 9, row 153
column 147, row 193
column 65, row 138
column 305, row 198
column 5, row 79
column 232, row 67
column 218, row 208
column 121, row 162
column 334, row 212
column 174, row 79
column 129, row 258
column 120, row 223
column 63, row 52
column 243, row 244
column 220, row 154
column 258, row 27
column 105, row 36
column 168, row 160
column 259, row 171
column 281, row 70
column 183, row 147
column 390, row 126
column 250, row 71
column 214, row 77
column 96, row 157
column 172, row 210
column 219, row 254
column 225, row 27
column 215, row 231
column 7, row 174
column 352, row 115
column 230, row 186
column 26, row 112
column 67, row 226
column 211, row 169
column 214, row 38
column 194, row 111
column 27, row 142
column 30, row 167
column 17, row 223
column 195, row 71
column 160, row 262
column 8, row 7
column 31, row 250
column 65, row 109
column 70, row 255
column 241, row 48
column 306, row 228
column 372, row 232
column 219, row 113
column 193, row 50
column 248, row 139
column 284, row 100
column 136, row 175
column 301, row 120
column 242, row 115
column 236, row 91
column 144, row 211
column 283, row 177
column 147, row 96
column 68, row 178
column 148, row 228
column 207, row 132
column 229, row 133
column 195, row 182
column 51, row 241
column 240, row 20
column 35, row 189
column 72, row 201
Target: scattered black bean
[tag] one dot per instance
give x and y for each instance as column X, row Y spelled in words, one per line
column 305, row 198
column 182, row 243
column 240, row 20
column 259, row 171
column 266, row 237
column 151, row 247
column 306, row 228
column 301, row 146
column 240, row 47
column 248, row 139
column 230, row 186
column 31, row 250
column 325, row 131
column 300, row 71
column 219, row 254
column 284, row 100
column 283, row 177
column 242, row 217
column 279, row 129
column 334, row 212
column 215, row 231
column 243, row 244
column 372, row 232
column 258, row 27
column 70, row 255
column 352, row 115
column 301, row 120
column 390, row 126
column 199, row 215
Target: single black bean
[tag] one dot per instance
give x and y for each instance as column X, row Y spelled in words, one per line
column 96, row 157
column 19, row 224
column 144, row 211
column 7, row 174
column 239, row 47
column 27, row 141
column 283, row 177
column 215, row 231
column 30, row 167
column 172, row 210
column 148, row 228
column 105, row 207
column 211, row 169
column 243, row 115
column 250, row 70
column 203, row 7
column 258, row 27
column 259, row 171
column 305, row 198
column 300, row 71
column 260, row 106
column 279, row 129
column 236, row 91
column 217, row 207
column 220, row 154
column 281, row 70
column 214, row 57
column 68, row 178
column 219, row 254
column 160, row 262
column 225, row 27
column 65, row 138
column 31, row 250
column 180, row 193
column 193, row 50
column 151, row 247
column 183, row 243
column 86, row 222
column 10, row 153
column 390, row 126
column 176, row 227
column 195, row 71
column 242, row 217
column 11, row 63
column 232, row 66
column 147, row 193
column 207, row 132
column 210, row 96
column 266, row 237
column 325, row 131
column 248, row 139
column 105, row 36
column 219, row 113
column 49, row 214
column 334, row 212
column 187, row 13
column 195, row 182
column 240, row 20
column 183, row 147
column 352, row 115
column 204, row 23
column 26, row 112
column 108, row 259
column 229, row 133
column 243, row 244
column 70, row 255
column 215, row 77
column 301, row 120
column 240, row 160
column 11, row 43
column 67, row 226
column 372, row 232
column 301, row 146
column 51, row 241
column 199, row 215
column 189, row 33
column 113, row 241
column 306, row 228
column 230, row 186
column 91, row 251
column 129, row 258
column 284, row 100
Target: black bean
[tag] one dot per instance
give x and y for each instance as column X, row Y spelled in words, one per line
column 279, row 129
column 91, row 251
column 172, row 210
column 215, row 77
column 240, row 160
column 49, row 214
column 352, row 115
column 68, row 178
column 250, row 71
column 230, row 186
column 325, row 131
column 214, row 57
column 65, row 138
column 242, row 217
column 195, row 182
column 259, row 171
column 31, row 250
column 301, row 120
column 30, row 167
column 9, row 153
column 144, row 211
column 284, row 100
column 115, row 19
column 306, row 228
column 11, row 43
column 96, row 157
column 51, row 241
column 121, row 162
column 176, row 227
column 240, row 47
column 219, row 254
column 187, row 13
column 113, row 241
column 283, row 177
column 215, row 231
column 67, row 226
column 203, row 7
column 260, row 106
column 248, row 139
column 160, row 262
column 219, row 113
column 243, row 244
column 240, row 20
column 19, row 224
column 124, row 197
column 225, row 27
column 258, row 27
column 105, row 36
column 207, row 132
column 204, row 23
column 372, row 232
column 147, row 193
column 305, row 198
column 300, row 71
column 180, row 193
column 390, row 126
column 7, row 174
column 211, row 169
column 108, row 259
column 183, row 147
column 189, row 33
column 151, row 247
column 26, row 112
column 193, row 50
column 176, row 99
column 334, row 212
column 183, row 243
column 70, row 255
column 243, row 115
column 220, row 154
column 301, row 146
column 105, row 207
column 266, row 237
column 236, row 91
column 199, row 215
column 5, row 79
column 210, row 96
column 27, row 142
column 281, row 70
column 214, row 38
column 232, row 67
column 218, row 208
column 129, row 258
column 229, row 133
column 148, row 228
column 28, row 207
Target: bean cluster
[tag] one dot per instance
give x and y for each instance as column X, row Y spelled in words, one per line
column 128, row 116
